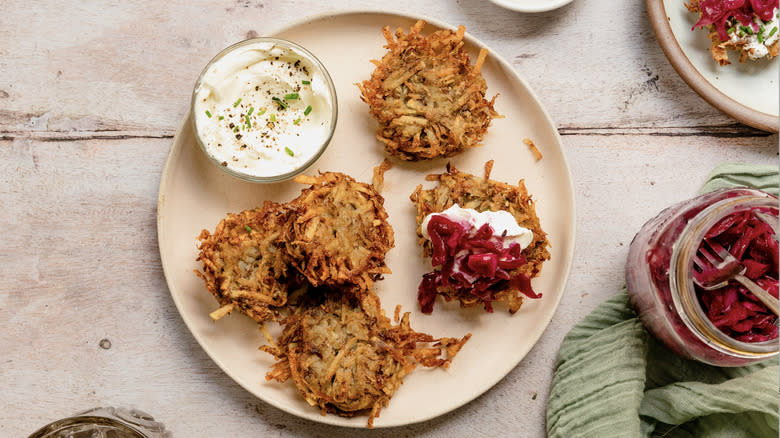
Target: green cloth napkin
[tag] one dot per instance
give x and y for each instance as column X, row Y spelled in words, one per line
column 763, row 177
column 613, row 379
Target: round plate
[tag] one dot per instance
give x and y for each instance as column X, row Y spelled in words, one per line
column 195, row 195
column 748, row 92
column 531, row 5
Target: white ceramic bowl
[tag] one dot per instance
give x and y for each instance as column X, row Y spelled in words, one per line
column 531, row 5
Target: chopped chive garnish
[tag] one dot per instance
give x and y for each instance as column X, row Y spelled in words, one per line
column 237, row 102
column 307, row 110
column 247, row 228
column 248, row 121
column 261, row 112
column 282, row 104
column 208, row 113
column 221, row 117
column 306, row 82
column 747, row 30
column 297, row 121
column 251, row 110
column 273, row 117
column 773, row 31
column 760, row 38
column 731, row 30
column 289, row 151
column 235, row 129
column 761, row 28
column 290, row 96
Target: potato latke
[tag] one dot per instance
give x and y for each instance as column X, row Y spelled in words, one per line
column 346, row 357
column 427, row 97
column 244, row 263
column 339, row 233
column 484, row 194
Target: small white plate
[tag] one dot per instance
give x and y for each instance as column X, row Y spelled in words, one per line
column 531, row 5
column 194, row 195
column 748, row 92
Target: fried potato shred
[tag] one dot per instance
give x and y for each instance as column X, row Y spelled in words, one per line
column 427, row 97
column 378, row 180
column 483, row 194
column 534, row 150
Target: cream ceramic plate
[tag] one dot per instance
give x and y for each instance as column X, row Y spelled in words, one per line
column 194, row 195
column 748, row 92
column 531, row 5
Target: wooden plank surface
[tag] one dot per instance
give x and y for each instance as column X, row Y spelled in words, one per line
column 118, row 69
column 90, row 97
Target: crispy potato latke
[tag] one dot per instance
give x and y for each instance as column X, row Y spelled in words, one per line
column 484, row 194
column 427, row 97
column 346, row 357
column 244, row 264
column 339, row 233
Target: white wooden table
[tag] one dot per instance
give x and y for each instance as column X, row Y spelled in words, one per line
column 91, row 94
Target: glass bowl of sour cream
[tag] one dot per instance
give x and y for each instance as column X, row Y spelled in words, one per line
column 264, row 109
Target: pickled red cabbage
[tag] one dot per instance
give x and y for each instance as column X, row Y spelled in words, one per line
column 471, row 261
column 733, row 309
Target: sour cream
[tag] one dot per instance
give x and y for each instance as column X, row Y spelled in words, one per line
column 502, row 222
column 756, row 43
column 264, row 109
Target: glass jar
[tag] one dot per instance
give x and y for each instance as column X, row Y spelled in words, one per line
column 660, row 282
column 108, row 422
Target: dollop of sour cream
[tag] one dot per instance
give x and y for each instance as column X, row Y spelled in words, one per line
column 263, row 109
column 502, row 222
column 756, row 42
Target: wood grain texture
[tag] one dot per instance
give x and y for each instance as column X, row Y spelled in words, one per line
column 90, row 97
column 121, row 69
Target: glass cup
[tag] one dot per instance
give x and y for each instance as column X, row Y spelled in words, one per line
column 105, row 422
column 248, row 54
